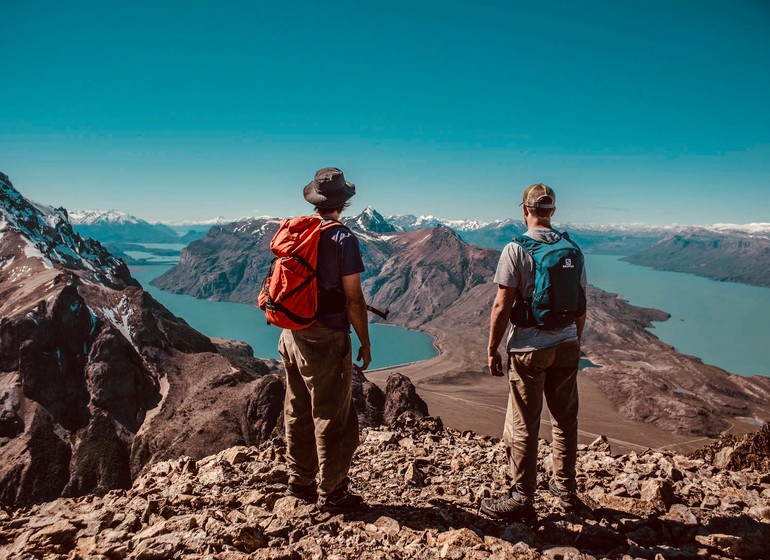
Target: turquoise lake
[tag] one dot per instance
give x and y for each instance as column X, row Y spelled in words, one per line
column 390, row 345
column 723, row 323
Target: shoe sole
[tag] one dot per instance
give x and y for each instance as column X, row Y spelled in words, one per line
column 528, row 516
column 308, row 499
column 333, row 509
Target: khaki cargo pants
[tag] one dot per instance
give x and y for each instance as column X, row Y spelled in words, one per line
column 320, row 417
column 551, row 372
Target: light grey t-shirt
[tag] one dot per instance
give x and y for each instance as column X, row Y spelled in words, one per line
column 516, row 269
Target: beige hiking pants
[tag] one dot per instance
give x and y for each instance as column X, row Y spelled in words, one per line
column 551, row 372
column 320, row 418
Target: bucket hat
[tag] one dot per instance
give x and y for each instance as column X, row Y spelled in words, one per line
column 329, row 189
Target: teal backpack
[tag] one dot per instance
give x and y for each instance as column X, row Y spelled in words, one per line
column 559, row 299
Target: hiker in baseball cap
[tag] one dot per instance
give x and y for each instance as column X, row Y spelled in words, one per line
column 539, row 196
column 329, row 189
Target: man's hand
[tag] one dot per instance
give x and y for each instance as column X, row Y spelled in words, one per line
column 365, row 356
column 351, row 285
column 498, row 325
column 495, row 364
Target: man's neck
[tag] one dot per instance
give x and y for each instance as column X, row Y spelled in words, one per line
column 334, row 216
column 538, row 223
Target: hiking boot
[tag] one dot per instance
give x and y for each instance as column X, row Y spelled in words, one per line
column 568, row 499
column 341, row 500
column 305, row 492
column 512, row 507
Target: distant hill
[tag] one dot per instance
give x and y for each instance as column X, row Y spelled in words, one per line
column 231, row 261
column 727, row 255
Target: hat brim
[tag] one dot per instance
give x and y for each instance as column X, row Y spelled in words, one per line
column 328, row 201
column 536, row 205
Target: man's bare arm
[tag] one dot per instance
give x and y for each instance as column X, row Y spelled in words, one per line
column 351, row 285
column 580, row 322
column 498, row 325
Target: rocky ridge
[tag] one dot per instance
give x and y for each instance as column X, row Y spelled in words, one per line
column 423, row 484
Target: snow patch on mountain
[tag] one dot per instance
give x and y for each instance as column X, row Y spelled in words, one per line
column 32, row 252
column 370, row 221
column 408, row 222
column 119, row 318
column 756, row 228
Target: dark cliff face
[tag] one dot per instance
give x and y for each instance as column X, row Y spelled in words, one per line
column 723, row 256
column 88, row 361
column 228, row 264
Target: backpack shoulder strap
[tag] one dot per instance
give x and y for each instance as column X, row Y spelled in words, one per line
column 525, row 241
column 529, row 243
column 566, row 236
column 332, row 224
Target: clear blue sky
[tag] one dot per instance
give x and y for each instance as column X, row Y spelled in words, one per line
column 641, row 111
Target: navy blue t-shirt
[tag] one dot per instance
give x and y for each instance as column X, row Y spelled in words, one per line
column 338, row 255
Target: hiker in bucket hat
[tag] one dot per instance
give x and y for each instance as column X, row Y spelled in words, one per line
column 320, row 418
column 329, row 189
column 543, row 348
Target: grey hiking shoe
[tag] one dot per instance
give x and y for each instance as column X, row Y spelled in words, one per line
column 568, row 499
column 341, row 500
column 512, row 507
column 306, row 492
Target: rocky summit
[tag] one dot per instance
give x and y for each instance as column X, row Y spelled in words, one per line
column 423, row 484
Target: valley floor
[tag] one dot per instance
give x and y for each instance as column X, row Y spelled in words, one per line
column 471, row 399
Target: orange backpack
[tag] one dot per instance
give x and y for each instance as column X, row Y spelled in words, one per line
column 289, row 295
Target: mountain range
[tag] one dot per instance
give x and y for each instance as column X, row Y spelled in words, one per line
column 728, row 252
column 98, row 380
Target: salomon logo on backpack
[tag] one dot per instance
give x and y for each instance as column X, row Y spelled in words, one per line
column 559, row 298
column 289, row 295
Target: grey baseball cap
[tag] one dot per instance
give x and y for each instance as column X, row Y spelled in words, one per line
column 539, row 196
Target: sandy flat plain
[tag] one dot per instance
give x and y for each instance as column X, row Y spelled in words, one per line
column 457, row 387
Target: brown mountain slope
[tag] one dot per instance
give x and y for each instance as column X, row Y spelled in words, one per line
column 426, row 272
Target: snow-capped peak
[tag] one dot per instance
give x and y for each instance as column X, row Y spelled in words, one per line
column 46, row 234
column 99, row 217
column 756, row 228
column 371, row 220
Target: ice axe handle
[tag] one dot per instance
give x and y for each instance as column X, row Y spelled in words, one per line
column 383, row 314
